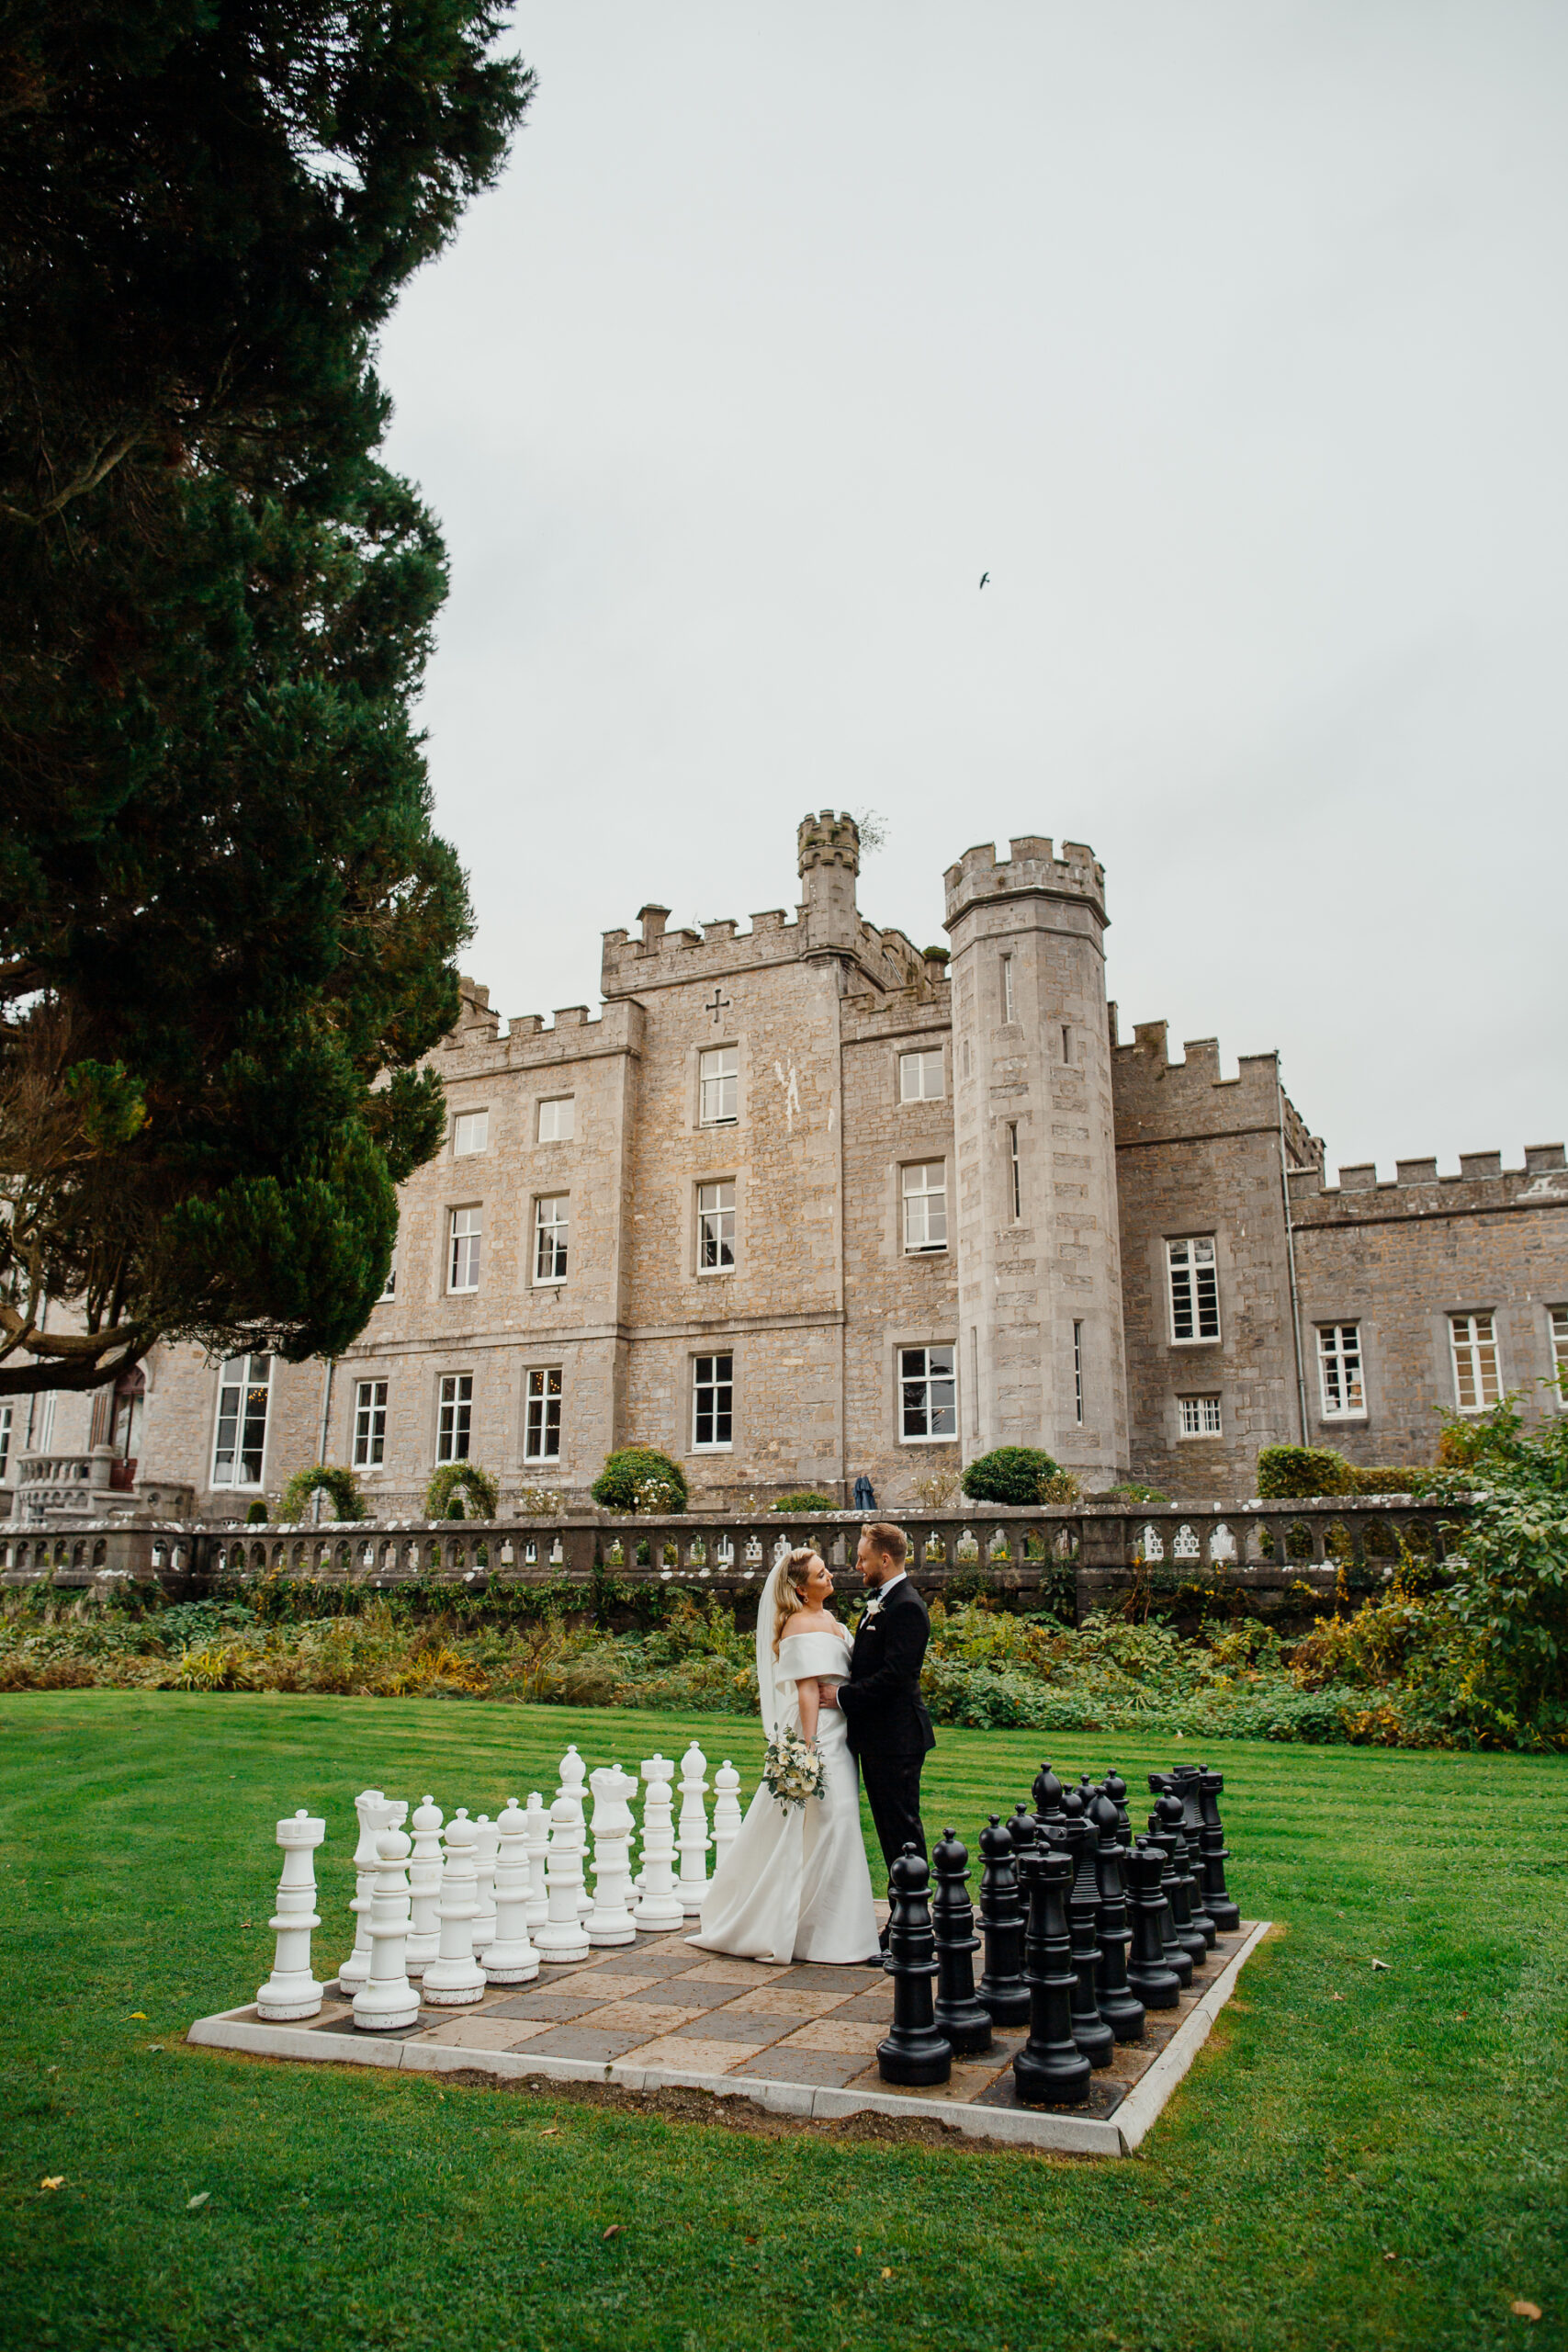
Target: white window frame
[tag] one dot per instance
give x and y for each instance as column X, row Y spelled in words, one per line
column 920, row 1376
column 552, row 1237
column 464, row 1246
column 557, row 1118
column 1341, row 1372
column 43, row 1422
column 916, row 1070
column 921, row 1216
column 370, row 1424
column 712, row 1377
column 240, row 1378
column 1557, row 1340
column 718, row 1086
column 1009, row 1012
column 454, row 1416
column 716, row 1226
column 541, row 1414
column 470, row 1134
column 1476, row 1357
column 1199, row 1416
column 1188, row 1260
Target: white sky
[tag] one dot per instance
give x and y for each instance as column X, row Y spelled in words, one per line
column 1229, row 338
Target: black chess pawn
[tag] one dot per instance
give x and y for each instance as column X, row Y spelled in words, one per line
column 1092, row 2033
column 1047, row 1795
column 1182, row 1934
column 1050, row 2070
column 1025, row 1834
column 915, row 2052
column 1184, row 1783
column 1119, row 2005
column 1116, row 1790
column 963, row 2019
column 1003, row 1989
column 1211, row 1848
column 1155, row 1984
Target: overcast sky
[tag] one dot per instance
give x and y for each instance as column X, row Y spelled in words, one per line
column 1229, row 338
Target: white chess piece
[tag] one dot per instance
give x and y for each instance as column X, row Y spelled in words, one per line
column 537, row 1838
column 386, row 2000
column 573, row 1776
column 424, row 1888
column 610, row 1922
column 291, row 1991
column 487, row 1840
column 694, row 1839
column 657, row 1906
column 375, row 1812
column 726, row 1810
column 510, row 1958
column 454, row 1977
column 562, row 1936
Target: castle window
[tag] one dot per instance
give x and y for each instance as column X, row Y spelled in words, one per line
column 551, row 1222
column 1339, row 1372
column 1067, row 1043
column 925, row 1206
column 8, row 1413
column 470, row 1133
column 1198, row 1417
column 1559, row 1316
column 558, row 1122
column 920, row 1077
column 239, row 1453
column 454, row 1417
column 1015, row 1172
column 541, row 1432
column 719, row 1073
column 369, row 1424
column 1478, row 1380
column 715, row 1228
column 389, row 1287
column 1194, row 1291
column 1007, row 989
column 927, row 1396
column 466, row 1239
column 1077, row 1374
column 713, row 1402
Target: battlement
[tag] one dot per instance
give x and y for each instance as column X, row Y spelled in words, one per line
column 1481, row 1181
column 660, row 958
column 1158, row 1100
column 573, row 1035
column 829, row 840
column 1030, row 869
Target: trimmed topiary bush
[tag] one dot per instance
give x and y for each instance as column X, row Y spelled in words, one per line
column 462, row 1490
column 257, row 1515
column 1130, row 1491
column 340, row 1487
column 641, row 1478
column 1303, row 1470
column 1013, row 1473
column 794, row 1503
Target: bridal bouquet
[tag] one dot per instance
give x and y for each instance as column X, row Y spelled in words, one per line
column 792, row 1769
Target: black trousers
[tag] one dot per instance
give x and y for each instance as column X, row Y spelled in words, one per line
column 892, row 1785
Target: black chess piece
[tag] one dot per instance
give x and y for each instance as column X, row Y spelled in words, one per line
column 1047, row 1795
column 1211, row 1848
column 1181, row 1935
column 1003, row 1989
column 1156, row 1985
column 1090, row 2031
column 964, row 2019
column 1119, row 2005
column 1050, row 2070
column 1116, row 1790
column 914, row 2051
column 1024, row 1831
column 1189, row 1853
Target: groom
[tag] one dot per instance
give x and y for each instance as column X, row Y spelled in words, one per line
column 884, row 1717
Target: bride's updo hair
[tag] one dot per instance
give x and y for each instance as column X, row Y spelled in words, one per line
column 792, row 1588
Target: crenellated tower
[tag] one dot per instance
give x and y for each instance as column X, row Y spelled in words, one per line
column 1043, row 1362
column 829, row 848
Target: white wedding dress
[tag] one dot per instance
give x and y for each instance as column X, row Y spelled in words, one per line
column 795, row 1883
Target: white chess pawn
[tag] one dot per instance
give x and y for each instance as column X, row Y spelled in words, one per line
column 610, row 1922
column 573, row 1776
column 537, row 1838
column 386, row 2000
column 375, row 1812
column 726, row 1810
column 454, row 1977
column 291, row 1991
column 563, row 1938
column 694, row 1839
column 424, row 1888
column 487, row 1840
column 510, row 1958
column 657, row 1906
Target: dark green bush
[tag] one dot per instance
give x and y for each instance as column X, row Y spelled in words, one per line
column 792, row 1503
column 256, row 1516
column 1013, row 1473
column 1130, row 1492
column 1303, row 1470
column 641, row 1478
column 462, row 1490
column 340, row 1487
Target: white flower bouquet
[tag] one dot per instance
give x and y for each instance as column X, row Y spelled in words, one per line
column 792, row 1769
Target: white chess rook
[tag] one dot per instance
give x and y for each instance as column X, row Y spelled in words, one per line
column 387, row 2001
column 537, row 1838
column 562, row 1936
column 510, row 1958
column 375, row 1812
column 573, row 1774
column 487, row 1840
column 291, row 1991
column 657, row 1906
column 454, row 1977
column 694, row 1839
column 610, row 1922
column 726, row 1810
column 424, row 1888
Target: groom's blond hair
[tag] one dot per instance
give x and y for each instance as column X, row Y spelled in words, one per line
column 889, row 1540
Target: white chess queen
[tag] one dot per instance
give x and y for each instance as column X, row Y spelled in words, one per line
column 794, row 1886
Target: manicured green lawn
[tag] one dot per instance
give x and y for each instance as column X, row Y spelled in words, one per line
column 1382, row 2168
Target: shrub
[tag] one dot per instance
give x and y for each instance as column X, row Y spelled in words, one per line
column 792, row 1503
column 257, row 1515
column 1130, row 1491
column 936, row 1490
column 462, row 1490
column 1064, row 1487
column 639, row 1478
column 340, row 1487
column 1013, row 1473
column 1304, row 1470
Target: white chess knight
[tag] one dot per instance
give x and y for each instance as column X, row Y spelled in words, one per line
column 657, row 1906
column 694, row 1840
column 573, row 1777
column 725, row 1809
column 537, row 1838
column 487, row 1842
column 375, row 1812
column 424, row 1888
column 453, row 1978
column 610, row 1922
column 385, row 2002
column 509, row 1958
column 291, row 1991
column 563, row 1938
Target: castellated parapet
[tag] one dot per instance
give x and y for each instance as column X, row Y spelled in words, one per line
column 1158, row 1098
column 1481, row 1184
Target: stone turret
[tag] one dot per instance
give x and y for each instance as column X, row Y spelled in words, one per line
column 830, row 861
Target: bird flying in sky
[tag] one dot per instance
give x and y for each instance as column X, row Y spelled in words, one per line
column 984, row 577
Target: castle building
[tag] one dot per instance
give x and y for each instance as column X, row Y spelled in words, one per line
column 805, row 1204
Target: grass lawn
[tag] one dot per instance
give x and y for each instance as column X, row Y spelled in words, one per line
column 1358, row 2157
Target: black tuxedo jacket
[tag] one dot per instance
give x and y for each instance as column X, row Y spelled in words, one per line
column 883, row 1713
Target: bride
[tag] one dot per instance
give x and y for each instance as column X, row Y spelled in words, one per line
column 795, row 1884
